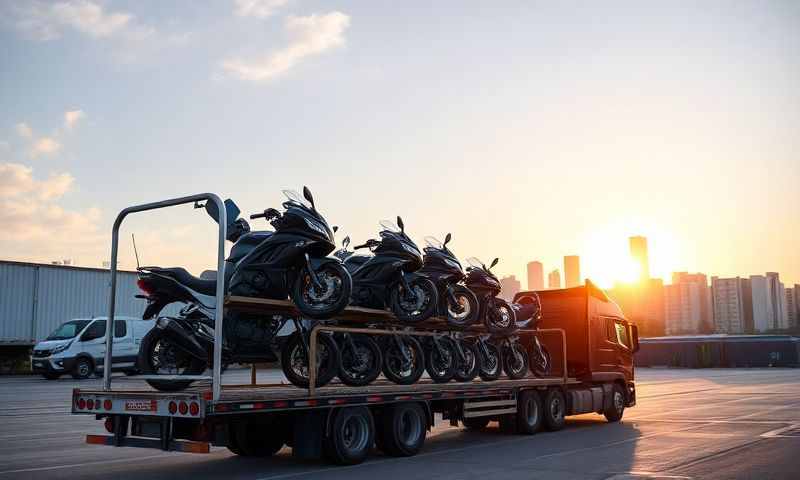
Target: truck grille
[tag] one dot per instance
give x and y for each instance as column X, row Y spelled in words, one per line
column 41, row 353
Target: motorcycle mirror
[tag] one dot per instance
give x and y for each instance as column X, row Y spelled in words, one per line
column 494, row 262
column 346, row 242
column 447, row 239
column 335, row 228
column 400, row 224
column 308, row 196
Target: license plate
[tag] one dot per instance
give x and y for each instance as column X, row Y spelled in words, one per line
column 141, row 405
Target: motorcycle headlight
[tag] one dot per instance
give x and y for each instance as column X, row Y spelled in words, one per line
column 317, row 226
column 61, row 348
column 410, row 248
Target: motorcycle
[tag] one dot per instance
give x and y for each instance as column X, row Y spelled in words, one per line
column 457, row 303
column 389, row 276
column 267, row 264
column 497, row 314
column 529, row 307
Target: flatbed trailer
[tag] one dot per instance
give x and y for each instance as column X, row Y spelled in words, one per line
column 337, row 421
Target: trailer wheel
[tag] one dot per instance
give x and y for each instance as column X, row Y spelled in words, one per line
column 403, row 429
column 352, row 436
column 617, row 408
column 475, row 423
column 255, row 440
column 554, row 410
column 529, row 412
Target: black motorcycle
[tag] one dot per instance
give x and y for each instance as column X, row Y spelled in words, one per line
column 497, row 314
column 389, row 276
column 266, row 264
column 529, row 310
column 457, row 303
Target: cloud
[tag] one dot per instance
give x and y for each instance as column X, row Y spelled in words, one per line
column 309, row 36
column 24, row 131
column 45, row 146
column 72, row 117
column 35, row 226
column 258, row 8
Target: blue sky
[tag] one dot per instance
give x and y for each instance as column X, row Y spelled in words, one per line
column 530, row 130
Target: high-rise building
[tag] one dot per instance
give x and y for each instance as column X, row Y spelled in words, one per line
column 572, row 271
column 535, row 276
column 796, row 306
column 687, row 305
column 554, row 279
column 732, row 305
column 769, row 303
column 791, row 307
column 638, row 247
column 509, row 286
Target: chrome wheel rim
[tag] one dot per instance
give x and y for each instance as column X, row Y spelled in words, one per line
column 355, row 433
column 465, row 311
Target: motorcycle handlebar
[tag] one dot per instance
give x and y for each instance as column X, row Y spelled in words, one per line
column 367, row 244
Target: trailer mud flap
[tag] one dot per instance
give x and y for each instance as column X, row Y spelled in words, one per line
column 186, row 446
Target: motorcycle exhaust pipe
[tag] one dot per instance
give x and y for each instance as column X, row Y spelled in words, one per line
column 181, row 337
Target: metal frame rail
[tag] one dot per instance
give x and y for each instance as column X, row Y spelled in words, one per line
column 216, row 383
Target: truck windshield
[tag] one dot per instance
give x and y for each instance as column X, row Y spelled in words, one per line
column 68, row 330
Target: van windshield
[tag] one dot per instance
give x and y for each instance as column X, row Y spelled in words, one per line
column 68, row 330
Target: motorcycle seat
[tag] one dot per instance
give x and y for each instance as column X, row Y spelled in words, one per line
column 200, row 285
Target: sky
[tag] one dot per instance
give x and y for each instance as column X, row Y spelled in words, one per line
column 529, row 130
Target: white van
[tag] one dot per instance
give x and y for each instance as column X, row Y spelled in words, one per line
column 78, row 347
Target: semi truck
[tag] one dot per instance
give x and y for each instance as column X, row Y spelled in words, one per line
column 591, row 346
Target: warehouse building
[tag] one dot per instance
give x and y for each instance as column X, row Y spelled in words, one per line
column 715, row 351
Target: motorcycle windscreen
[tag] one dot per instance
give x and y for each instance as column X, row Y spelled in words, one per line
column 231, row 211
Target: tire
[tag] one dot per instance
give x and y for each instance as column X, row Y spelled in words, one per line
column 395, row 366
column 615, row 411
column 540, row 363
column 403, row 429
column 328, row 303
column 363, row 366
column 529, row 412
column 51, row 376
column 475, row 423
column 155, row 348
column 414, row 312
column 294, row 360
column 554, row 409
column 468, row 367
column 490, row 368
column 501, row 318
column 441, row 365
column 255, row 439
column 513, row 369
column 83, row 368
column 352, row 436
column 469, row 307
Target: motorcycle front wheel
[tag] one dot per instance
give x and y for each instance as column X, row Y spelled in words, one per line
column 329, row 298
column 403, row 364
column 441, row 363
column 500, row 318
column 466, row 308
column 294, row 360
column 468, row 366
column 159, row 356
column 417, row 305
column 489, row 361
column 515, row 361
column 540, row 361
column 360, row 360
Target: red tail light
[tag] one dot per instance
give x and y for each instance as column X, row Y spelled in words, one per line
column 82, row 404
column 183, row 408
column 109, row 424
column 145, row 287
column 194, row 408
column 107, row 404
column 173, row 408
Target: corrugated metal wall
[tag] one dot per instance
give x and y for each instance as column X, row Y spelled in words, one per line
column 35, row 299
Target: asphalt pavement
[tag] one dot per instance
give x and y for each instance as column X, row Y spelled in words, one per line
column 705, row 424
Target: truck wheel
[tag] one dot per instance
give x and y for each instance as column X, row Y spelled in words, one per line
column 614, row 412
column 83, row 368
column 529, row 412
column 352, row 436
column 403, row 430
column 255, row 440
column 475, row 423
column 554, row 409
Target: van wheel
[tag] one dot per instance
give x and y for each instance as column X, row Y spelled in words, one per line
column 475, row 423
column 555, row 408
column 529, row 412
column 83, row 369
column 352, row 436
column 403, row 429
column 617, row 408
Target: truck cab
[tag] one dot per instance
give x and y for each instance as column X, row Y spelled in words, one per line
column 77, row 347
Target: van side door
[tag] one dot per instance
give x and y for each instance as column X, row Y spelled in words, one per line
column 125, row 349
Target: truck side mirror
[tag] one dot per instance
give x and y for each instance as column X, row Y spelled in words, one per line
column 635, row 338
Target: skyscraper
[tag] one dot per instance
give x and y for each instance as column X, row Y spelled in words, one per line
column 509, row 286
column 733, row 305
column 572, row 271
column 535, row 276
column 638, row 246
column 687, row 305
column 554, row 279
column 769, row 302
